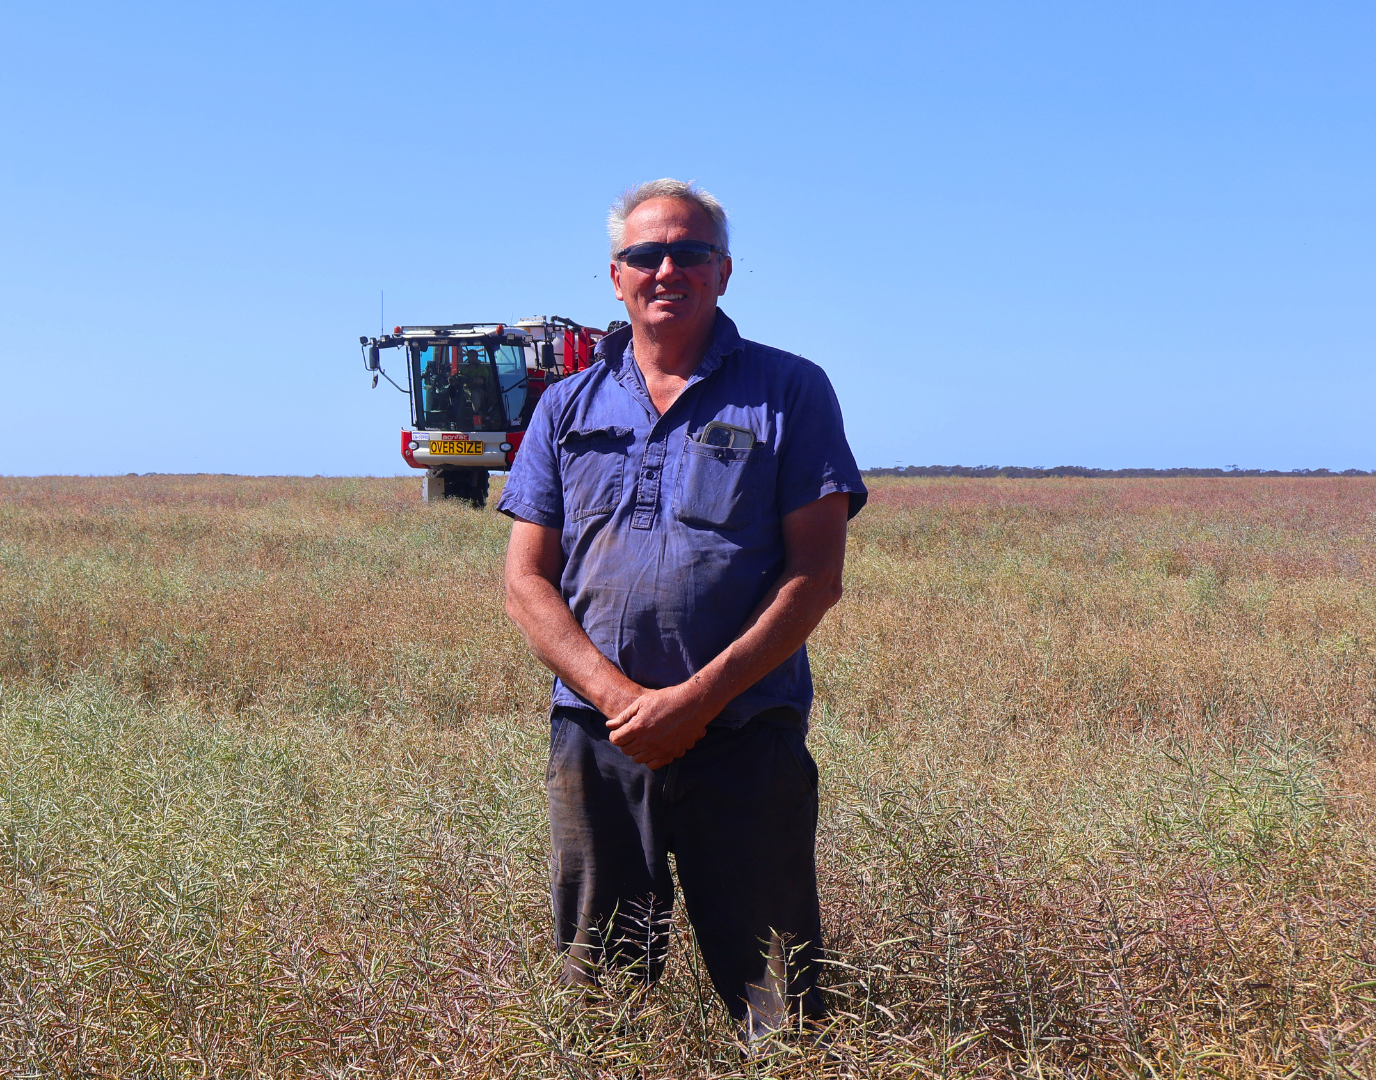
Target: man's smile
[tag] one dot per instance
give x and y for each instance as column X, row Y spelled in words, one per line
column 671, row 296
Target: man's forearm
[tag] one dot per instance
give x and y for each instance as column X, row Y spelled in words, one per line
column 661, row 725
column 815, row 546
column 558, row 642
column 778, row 628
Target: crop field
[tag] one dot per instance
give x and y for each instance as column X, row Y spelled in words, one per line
column 1098, row 770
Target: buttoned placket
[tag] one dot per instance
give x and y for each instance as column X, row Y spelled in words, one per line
column 651, row 473
column 657, row 443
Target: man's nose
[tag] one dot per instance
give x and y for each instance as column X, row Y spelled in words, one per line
column 667, row 267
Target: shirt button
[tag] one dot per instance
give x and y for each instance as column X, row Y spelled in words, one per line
column 649, row 474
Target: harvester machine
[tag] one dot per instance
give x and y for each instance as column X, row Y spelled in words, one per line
column 473, row 387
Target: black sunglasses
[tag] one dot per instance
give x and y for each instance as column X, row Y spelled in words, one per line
column 683, row 252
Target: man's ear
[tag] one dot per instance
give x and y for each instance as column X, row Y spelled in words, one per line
column 725, row 276
column 616, row 281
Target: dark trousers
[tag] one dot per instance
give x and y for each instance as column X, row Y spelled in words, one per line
column 739, row 813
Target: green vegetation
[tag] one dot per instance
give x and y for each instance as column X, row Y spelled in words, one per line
column 1097, row 763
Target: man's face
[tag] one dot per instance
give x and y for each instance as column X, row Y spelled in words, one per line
column 681, row 300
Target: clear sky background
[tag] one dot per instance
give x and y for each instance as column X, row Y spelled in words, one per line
column 1012, row 233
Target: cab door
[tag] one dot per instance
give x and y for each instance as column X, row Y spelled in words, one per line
column 510, row 362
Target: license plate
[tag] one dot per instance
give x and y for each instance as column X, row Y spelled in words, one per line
column 455, row 446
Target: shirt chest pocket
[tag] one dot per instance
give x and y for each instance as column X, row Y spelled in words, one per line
column 592, row 467
column 723, row 488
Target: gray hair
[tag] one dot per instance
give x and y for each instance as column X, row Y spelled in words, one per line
column 667, row 189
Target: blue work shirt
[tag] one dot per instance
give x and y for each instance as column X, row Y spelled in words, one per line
column 669, row 543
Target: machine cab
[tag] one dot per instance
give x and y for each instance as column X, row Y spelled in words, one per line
column 476, row 384
column 472, row 388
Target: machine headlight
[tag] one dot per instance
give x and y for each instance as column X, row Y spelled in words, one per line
column 505, row 447
column 414, row 445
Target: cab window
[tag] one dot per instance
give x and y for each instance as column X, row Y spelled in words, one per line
column 458, row 388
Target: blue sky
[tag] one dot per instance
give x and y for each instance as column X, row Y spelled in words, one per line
column 1012, row 233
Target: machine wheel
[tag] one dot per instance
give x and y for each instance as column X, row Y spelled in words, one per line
column 467, row 484
column 477, row 488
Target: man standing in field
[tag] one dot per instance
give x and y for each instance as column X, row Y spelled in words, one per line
column 680, row 526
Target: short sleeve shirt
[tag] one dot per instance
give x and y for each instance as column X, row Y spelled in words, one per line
column 670, row 543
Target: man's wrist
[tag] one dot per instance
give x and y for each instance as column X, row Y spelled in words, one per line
column 614, row 699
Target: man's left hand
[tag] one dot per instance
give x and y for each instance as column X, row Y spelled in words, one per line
column 661, row 725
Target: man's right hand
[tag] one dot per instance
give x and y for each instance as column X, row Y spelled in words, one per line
column 660, row 726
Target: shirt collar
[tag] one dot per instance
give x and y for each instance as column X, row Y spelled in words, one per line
column 615, row 348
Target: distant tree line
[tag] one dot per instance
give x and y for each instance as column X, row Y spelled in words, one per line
column 1037, row 472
